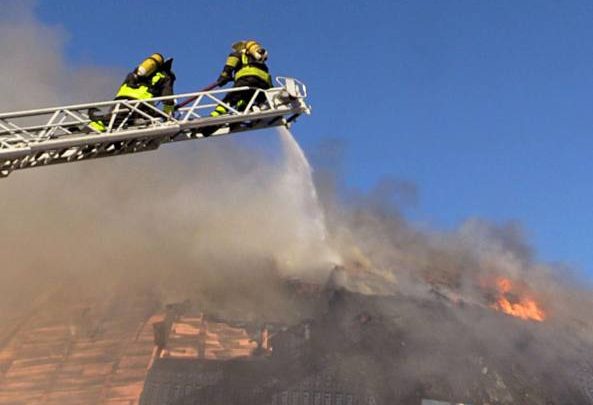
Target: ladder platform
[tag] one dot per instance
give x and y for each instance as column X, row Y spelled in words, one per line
column 56, row 135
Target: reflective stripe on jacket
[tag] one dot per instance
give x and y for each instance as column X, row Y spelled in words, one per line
column 249, row 68
column 239, row 65
column 142, row 90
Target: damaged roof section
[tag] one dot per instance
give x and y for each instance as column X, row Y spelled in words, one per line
column 83, row 355
column 347, row 348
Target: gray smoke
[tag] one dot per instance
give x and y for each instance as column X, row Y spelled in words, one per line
column 437, row 333
column 214, row 221
column 212, row 217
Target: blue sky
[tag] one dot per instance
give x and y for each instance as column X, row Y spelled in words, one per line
column 484, row 105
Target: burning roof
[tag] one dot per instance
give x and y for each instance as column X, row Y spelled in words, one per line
column 391, row 348
column 519, row 304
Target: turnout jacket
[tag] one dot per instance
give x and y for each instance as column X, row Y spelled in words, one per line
column 245, row 70
column 138, row 87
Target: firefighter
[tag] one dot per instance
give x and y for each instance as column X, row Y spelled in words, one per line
column 245, row 66
column 152, row 78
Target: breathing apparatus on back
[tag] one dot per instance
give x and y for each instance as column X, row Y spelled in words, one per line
column 251, row 48
column 150, row 65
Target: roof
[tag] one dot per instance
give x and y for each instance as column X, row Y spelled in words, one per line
column 77, row 356
column 193, row 336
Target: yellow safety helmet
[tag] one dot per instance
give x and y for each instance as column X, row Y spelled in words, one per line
column 150, row 64
column 255, row 49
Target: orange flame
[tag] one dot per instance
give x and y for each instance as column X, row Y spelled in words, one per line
column 525, row 307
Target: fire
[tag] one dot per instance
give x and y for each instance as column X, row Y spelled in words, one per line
column 522, row 307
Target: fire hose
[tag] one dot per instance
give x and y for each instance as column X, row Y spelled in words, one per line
column 189, row 100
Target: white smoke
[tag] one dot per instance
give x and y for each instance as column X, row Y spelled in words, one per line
column 219, row 221
column 34, row 70
column 189, row 216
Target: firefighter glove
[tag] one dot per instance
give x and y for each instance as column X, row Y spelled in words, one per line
column 222, row 80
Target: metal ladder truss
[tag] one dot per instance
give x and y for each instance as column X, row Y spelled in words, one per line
column 62, row 134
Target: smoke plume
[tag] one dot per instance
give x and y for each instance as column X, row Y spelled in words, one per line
column 221, row 222
column 211, row 217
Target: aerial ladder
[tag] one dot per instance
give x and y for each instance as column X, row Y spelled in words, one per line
column 55, row 135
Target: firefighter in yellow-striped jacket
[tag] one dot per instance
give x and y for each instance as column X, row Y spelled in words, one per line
column 246, row 66
column 152, row 78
